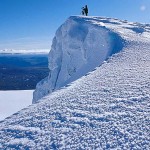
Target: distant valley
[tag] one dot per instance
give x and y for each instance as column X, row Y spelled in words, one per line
column 22, row 71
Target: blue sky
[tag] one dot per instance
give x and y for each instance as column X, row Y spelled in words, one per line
column 31, row 24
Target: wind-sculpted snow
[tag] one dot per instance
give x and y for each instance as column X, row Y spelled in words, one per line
column 107, row 109
column 78, row 47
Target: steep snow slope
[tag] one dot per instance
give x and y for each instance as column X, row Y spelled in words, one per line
column 107, row 109
column 78, row 47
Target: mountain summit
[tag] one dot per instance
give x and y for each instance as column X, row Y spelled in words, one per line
column 106, row 108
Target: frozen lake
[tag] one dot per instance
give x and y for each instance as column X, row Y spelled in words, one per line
column 22, row 71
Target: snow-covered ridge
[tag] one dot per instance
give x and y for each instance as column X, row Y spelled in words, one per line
column 107, row 109
column 80, row 45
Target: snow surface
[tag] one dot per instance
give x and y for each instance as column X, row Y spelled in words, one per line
column 109, row 108
column 74, row 53
column 13, row 101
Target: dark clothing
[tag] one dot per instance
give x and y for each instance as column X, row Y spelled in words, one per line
column 86, row 10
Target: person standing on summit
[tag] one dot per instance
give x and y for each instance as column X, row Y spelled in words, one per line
column 86, row 10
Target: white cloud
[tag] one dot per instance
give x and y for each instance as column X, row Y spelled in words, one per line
column 143, row 8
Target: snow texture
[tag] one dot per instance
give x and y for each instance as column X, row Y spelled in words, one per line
column 77, row 49
column 108, row 108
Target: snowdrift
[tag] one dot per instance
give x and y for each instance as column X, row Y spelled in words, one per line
column 107, row 109
column 78, row 48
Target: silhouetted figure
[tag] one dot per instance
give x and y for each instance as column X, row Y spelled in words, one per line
column 83, row 11
column 86, row 10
